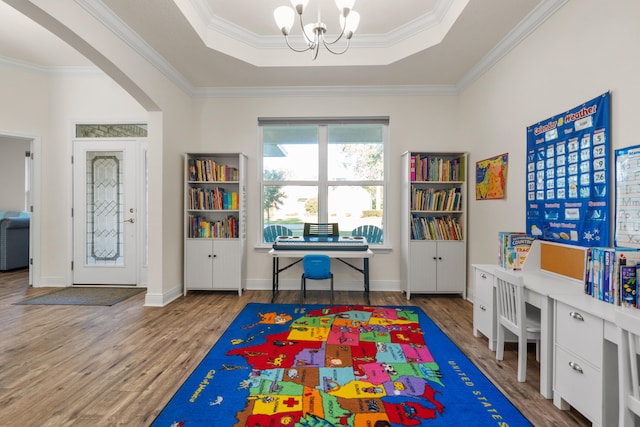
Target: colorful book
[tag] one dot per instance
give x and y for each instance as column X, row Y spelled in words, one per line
column 514, row 248
column 628, row 286
column 412, row 168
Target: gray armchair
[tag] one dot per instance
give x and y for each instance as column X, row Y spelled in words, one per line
column 14, row 240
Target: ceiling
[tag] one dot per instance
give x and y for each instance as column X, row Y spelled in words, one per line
column 215, row 44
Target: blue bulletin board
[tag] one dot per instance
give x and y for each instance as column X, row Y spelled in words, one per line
column 628, row 197
column 568, row 182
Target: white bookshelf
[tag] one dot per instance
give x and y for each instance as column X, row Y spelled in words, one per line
column 214, row 221
column 433, row 223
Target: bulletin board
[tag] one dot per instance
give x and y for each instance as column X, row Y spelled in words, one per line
column 568, row 184
column 627, row 230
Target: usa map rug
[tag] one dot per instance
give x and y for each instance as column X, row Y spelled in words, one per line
column 286, row 365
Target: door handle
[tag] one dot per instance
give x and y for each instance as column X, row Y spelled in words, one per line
column 131, row 220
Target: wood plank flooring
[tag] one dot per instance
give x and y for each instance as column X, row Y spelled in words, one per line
column 118, row 366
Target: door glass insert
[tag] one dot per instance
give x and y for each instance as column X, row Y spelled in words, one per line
column 105, row 242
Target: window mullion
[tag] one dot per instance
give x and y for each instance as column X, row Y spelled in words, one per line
column 323, row 173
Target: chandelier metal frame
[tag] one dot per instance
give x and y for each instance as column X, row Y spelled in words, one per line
column 314, row 34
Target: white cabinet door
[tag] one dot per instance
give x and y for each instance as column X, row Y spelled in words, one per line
column 437, row 267
column 199, row 264
column 422, row 266
column 226, row 264
column 451, row 271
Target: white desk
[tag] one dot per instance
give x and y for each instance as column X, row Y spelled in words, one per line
column 540, row 289
column 586, row 352
column 339, row 255
column 578, row 355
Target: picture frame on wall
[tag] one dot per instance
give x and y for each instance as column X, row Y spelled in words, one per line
column 491, row 177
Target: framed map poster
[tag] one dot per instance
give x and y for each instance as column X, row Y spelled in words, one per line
column 568, row 185
column 491, row 177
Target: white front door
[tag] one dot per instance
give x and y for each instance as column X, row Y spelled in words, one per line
column 105, row 212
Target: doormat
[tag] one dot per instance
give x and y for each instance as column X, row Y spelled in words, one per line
column 326, row 366
column 83, row 296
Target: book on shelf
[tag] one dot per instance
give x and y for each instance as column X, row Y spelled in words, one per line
column 431, row 199
column 212, row 199
column 435, row 168
column 208, row 170
column 202, row 227
column 513, row 249
column 435, row 228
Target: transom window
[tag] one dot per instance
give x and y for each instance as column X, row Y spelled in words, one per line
column 322, row 171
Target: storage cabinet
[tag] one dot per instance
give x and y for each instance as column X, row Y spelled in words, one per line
column 433, row 224
column 212, row 264
column 484, row 300
column 578, row 361
column 215, row 221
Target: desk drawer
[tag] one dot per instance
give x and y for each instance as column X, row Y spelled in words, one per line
column 483, row 286
column 579, row 332
column 483, row 318
column 579, row 383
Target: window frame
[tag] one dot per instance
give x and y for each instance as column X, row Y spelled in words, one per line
column 323, row 183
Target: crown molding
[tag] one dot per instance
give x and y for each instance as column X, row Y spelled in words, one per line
column 207, row 18
column 529, row 24
column 49, row 70
column 324, row 91
column 101, row 12
column 117, row 26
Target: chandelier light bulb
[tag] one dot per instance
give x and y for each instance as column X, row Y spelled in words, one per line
column 353, row 20
column 284, row 17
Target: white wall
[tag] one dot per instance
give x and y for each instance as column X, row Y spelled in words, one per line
column 47, row 106
column 73, row 98
column 416, row 123
column 587, row 48
column 12, row 170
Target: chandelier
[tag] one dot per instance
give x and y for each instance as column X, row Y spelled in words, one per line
column 314, row 33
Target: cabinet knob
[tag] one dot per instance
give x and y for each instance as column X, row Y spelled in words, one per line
column 575, row 366
column 483, row 308
column 440, row 258
column 210, row 256
column 484, row 276
column 576, row 315
column 434, row 258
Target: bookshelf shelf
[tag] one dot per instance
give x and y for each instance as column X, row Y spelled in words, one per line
column 434, row 222
column 214, row 221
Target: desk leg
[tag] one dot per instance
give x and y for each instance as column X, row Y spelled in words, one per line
column 366, row 279
column 274, row 279
column 546, row 348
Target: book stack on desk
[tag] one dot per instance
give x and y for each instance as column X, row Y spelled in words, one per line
column 514, row 248
column 612, row 275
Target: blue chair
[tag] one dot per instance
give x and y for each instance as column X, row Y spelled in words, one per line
column 371, row 232
column 316, row 267
column 273, row 231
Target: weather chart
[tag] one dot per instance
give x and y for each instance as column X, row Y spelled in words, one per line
column 568, row 183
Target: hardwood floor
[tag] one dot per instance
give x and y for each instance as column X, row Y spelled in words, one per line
column 119, row 365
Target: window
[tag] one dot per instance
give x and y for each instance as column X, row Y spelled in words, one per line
column 323, row 171
column 108, row 130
